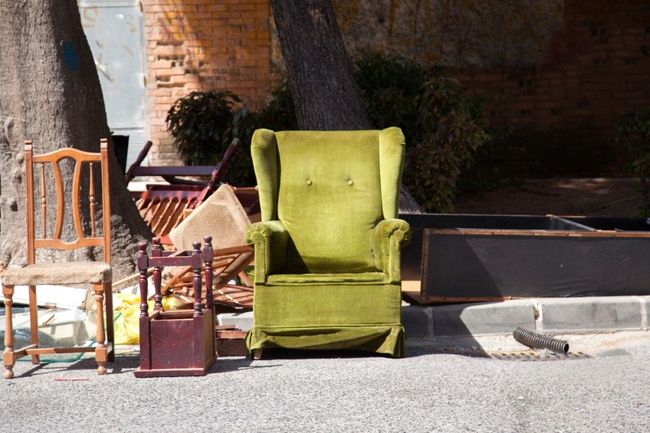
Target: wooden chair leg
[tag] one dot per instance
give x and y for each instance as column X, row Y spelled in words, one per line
column 8, row 354
column 33, row 322
column 110, row 331
column 100, row 350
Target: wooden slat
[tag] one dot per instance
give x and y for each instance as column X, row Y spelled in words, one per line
column 234, row 296
column 424, row 300
column 175, row 218
column 190, row 170
column 23, row 351
column 175, row 278
column 231, row 334
column 76, row 217
column 68, row 152
column 140, row 203
column 106, row 201
column 29, row 186
column 193, row 202
column 63, row 245
column 159, row 214
column 60, row 201
column 243, row 276
column 150, row 206
column 55, row 350
column 43, row 201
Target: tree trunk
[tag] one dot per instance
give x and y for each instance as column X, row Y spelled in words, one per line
column 50, row 93
column 319, row 71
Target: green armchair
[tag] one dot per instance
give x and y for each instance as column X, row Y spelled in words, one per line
column 327, row 251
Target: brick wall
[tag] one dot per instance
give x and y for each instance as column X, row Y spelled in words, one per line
column 203, row 45
column 560, row 72
column 566, row 108
column 456, row 33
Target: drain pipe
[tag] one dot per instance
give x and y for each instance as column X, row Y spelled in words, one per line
column 538, row 341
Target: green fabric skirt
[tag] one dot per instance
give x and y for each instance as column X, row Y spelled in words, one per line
column 324, row 317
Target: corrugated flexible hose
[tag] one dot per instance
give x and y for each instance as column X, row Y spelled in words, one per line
column 538, row 341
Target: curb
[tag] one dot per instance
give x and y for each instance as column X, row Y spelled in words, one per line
column 549, row 315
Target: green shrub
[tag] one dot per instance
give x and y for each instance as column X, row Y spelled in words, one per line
column 201, row 124
column 390, row 89
column 451, row 129
column 634, row 132
column 204, row 123
column 443, row 125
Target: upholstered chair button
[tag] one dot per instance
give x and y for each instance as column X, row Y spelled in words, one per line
column 350, row 182
column 308, row 181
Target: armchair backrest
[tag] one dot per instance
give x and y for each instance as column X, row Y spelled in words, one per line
column 329, row 189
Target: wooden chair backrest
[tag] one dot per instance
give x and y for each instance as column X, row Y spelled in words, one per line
column 171, row 173
column 54, row 239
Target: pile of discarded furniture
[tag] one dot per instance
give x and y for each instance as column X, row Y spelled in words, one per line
column 326, row 252
column 225, row 211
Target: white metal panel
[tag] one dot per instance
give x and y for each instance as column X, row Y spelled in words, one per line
column 114, row 30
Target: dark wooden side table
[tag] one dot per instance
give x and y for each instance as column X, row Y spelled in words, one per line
column 181, row 342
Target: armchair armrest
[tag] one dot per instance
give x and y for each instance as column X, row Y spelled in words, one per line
column 387, row 238
column 269, row 239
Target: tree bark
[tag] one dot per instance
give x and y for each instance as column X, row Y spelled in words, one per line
column 50, row 93
column 319, row 71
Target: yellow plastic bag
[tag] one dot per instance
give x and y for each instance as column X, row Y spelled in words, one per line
column 126, row 320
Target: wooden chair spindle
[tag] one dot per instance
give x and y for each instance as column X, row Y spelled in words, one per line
column 143, row 265
column 91, row 199
column 196, row 267
column 157, row 251
column 207, row 270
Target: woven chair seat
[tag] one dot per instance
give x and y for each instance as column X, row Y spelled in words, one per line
column 58, row 273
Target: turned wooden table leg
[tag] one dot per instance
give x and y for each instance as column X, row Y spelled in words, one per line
column 8, row 354
column 100, row 350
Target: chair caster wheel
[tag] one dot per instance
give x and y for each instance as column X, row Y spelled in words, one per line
column 8, row 374
column 101, row 370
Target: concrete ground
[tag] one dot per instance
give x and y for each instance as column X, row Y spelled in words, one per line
column 603, row 390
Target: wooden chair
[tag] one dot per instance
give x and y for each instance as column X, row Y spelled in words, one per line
column 98, row 274
column 163, row 207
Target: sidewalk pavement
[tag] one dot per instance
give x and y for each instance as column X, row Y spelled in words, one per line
column 490, row 324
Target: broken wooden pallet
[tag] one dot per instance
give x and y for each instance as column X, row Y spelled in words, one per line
column 228, row 264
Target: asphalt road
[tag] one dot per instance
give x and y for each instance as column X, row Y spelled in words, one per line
column 421, row 393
